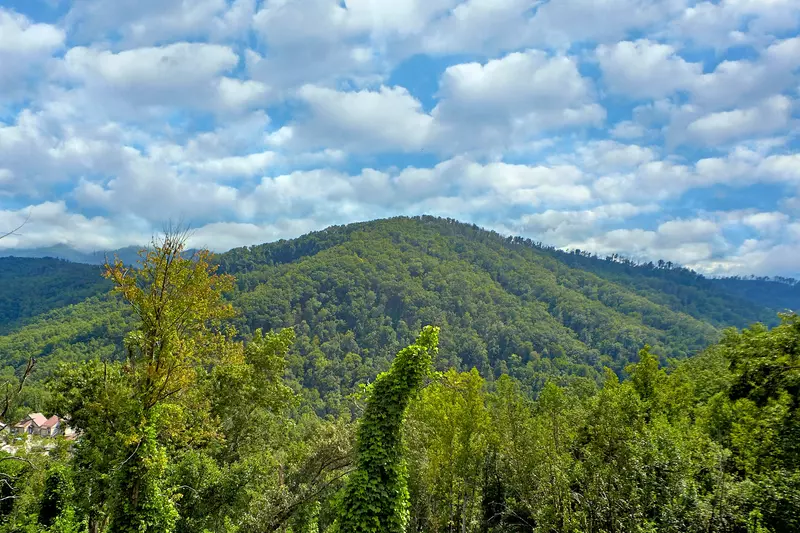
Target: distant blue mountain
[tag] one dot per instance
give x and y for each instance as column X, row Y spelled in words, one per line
column 128, row 254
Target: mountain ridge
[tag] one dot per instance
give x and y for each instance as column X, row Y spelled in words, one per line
column 355, row 293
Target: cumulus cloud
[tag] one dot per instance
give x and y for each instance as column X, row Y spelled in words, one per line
column 650, row 129
column 179, row 74
column 735, row 22
column 488, row 27
column 50, row 223
column 561, row 228
column 689, row 242
column 645, row 69
column 386, row 119
column 149, row 22
column 24, row 47
column 512, row 98
column 611, row 156
column 769, row 116
column 628, row 129
column 481, row 107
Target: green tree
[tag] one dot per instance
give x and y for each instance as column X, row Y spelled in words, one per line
column 57, row 496
column 178, row 302
column 448, row 432
column 375, row 498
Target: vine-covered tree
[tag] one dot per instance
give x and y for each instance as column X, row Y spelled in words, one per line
column 376, row 495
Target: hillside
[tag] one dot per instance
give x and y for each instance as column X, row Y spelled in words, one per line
column 210, row 433
column 32, row 287
column 355, row 294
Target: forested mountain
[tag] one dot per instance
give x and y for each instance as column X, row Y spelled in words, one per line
column 198, row 427
column 778, row 293
column 355, row 294
column 30, row 288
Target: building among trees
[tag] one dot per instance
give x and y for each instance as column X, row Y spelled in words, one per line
column 41, row 426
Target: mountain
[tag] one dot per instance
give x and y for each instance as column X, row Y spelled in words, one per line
column 356, row 293
column 31, row 287
column 780, row 293
column 128, row 254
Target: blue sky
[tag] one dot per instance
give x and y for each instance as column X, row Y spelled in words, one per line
column 652, row 129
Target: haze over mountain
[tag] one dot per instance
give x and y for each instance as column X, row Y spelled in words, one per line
column 62, row 251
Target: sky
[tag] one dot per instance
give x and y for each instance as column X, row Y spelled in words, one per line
column 656, row 130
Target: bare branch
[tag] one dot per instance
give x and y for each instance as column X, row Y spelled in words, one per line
column 11, row 395
column 15, row 230
column 15, row 458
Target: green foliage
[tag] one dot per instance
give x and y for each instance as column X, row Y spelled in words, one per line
column 356, row 294
column 32, row 287
column 448, row 434
column 376, row 495
column 780, row 294
column 143, row 503
column 191, row 432
column 562, row 403
column 57, row 496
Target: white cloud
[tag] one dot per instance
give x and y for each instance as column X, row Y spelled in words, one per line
column 628, row 130
column 18, row 35
column 675, row 232
column 711, row 24
column 735, row 99
column 690, row 243
column 611, row 156
column 769, row 116
column 791, row 205
column 645, row 69
column 655, row 180
column 777, row 259
column 51, row 223
column 237, row 94
column 479, row 25
column 740, row 82
column 527, row 185
column 24, row 47
column 766, row 223
column 527, row 80
column 742, row 166
column 487, row 26
column 149, row 22
column 321, row 42
column 233, row 166
column 179, row 74
column 222, row 236
column 560, row 228
column 38, row 152
column 484, row 108
column 155, row 192
column 735, row 22
column 388, row 119
column 507, row 100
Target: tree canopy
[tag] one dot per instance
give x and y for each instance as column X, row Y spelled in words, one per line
column 310, row 393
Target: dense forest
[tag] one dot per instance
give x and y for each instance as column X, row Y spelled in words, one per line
column 399, row 375
column 354, row 295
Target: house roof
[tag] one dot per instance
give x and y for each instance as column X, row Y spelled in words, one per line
column 50, row 422
column 37, row 418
